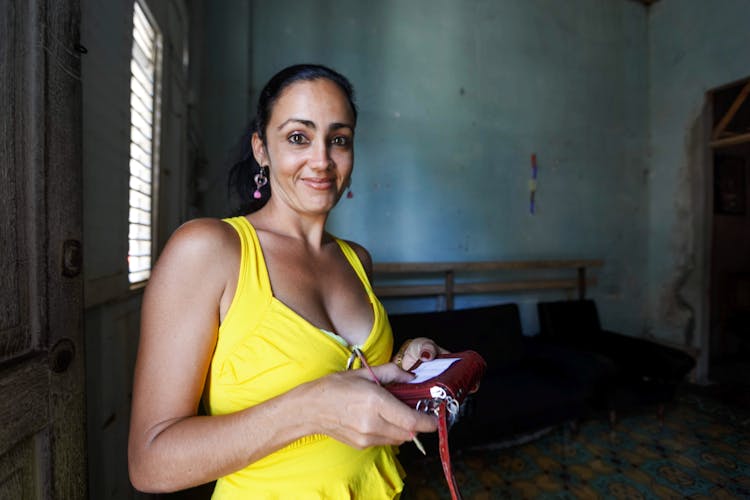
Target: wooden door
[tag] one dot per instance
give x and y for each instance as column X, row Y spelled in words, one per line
column 42, row 446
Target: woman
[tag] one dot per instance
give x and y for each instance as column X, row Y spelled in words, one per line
column 261, row 316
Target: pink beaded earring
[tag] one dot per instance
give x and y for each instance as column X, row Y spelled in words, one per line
column 260, row 180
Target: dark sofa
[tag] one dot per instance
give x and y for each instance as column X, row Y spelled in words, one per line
column 528, row 386
column 645, row 372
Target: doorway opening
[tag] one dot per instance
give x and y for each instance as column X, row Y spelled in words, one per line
column 729, row 335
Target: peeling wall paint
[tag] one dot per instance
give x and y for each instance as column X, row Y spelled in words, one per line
column 694, row 46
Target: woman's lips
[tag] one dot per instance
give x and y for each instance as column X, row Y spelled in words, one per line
column 322, row 184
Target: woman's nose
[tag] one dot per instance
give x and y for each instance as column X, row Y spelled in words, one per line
column 321, row 157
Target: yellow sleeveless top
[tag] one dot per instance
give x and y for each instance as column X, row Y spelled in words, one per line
column 264, row 349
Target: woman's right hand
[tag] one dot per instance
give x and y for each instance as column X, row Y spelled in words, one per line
column 351, row 408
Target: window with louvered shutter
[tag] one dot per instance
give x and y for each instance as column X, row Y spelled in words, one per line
column 144, row 133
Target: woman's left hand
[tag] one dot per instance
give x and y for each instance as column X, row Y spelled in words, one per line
column 413, row 350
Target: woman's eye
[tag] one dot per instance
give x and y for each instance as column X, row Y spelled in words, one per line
column 297, row 138
column 340, row 141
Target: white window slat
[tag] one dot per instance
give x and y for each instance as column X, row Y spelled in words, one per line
column 141, row 76
column 141, row 157
column 138, row 216
column 144, row 95
column 139, row 185
column 140, row 172
column 142, row 23
column 140, row 139
column 140, row 248
column 137, row 103
column 141, row 38
column 142, row 59
column 139, row 231
column 141, row 124
column 138, row 276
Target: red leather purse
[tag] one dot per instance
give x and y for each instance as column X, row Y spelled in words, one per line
column 442, row 396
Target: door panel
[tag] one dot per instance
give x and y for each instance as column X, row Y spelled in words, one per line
column 41, row 357
column 23, row 412
column 13, row 264
column 17, row 473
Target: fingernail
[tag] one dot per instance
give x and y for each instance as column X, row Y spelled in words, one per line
column 426, row 355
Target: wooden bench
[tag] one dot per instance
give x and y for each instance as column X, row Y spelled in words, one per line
column 448, row 279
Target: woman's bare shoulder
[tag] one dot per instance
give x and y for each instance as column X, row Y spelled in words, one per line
column 201, row 242
column 204, row 232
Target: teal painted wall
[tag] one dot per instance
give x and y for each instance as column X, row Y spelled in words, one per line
column 220, row 76
column 454, row 97
column 695, row 46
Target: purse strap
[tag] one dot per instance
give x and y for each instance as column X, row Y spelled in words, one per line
column 445, row 454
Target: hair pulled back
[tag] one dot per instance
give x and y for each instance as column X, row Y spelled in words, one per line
column 241, row 176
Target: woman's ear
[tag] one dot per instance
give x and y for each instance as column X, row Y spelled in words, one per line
column 259, row 150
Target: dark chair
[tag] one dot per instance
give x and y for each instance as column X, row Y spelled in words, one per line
column 646, row 372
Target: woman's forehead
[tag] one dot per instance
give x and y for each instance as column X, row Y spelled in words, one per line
column 310, row 98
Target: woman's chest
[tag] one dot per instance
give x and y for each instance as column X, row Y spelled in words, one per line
column 326, row 292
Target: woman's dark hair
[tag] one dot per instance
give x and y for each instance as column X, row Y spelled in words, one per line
column 241, row 176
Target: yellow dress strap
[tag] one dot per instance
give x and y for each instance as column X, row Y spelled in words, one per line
column 252, row 296
column 353, row 259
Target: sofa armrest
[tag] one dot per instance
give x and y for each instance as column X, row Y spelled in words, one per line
column 649, row 358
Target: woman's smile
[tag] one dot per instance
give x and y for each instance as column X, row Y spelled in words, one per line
column 319, row 183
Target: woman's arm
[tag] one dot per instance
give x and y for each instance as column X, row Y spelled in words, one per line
column 172, row 448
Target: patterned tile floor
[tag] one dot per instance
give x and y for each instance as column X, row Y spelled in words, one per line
column 702, row 451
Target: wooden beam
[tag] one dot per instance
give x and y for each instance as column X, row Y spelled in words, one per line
column 730, row 141
column 441, row 279
column 517, row 286
column 493, row 265
column 731, row 112
column 449, row 289
column 483, row 287
column 409, row 290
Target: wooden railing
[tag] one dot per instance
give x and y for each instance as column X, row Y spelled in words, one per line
column 461, row 278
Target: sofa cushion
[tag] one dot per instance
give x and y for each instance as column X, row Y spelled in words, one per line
column 519, row 402
column 492, row 331
column 568, row 319
column 655, row 361
column 576, row 323
column 645, row 371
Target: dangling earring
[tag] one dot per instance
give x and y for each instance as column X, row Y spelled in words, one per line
column 260, row 181
column 349, row 193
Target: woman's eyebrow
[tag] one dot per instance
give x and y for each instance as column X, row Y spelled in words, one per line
column 306, row 123
column 336, row 126
column 311, row 124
